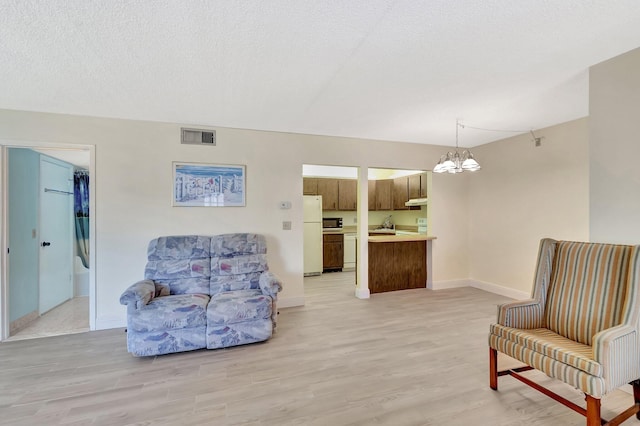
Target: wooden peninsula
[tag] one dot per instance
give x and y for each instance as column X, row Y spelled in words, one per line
column 397, row 262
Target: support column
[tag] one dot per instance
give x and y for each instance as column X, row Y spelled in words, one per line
column 362, row 244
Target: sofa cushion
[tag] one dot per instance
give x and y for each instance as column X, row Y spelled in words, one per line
column 179, row 247
column 177, row 269
column 237, row 244
column 222, row 283
column 239, row 264
column 238, row 306
column 552, row 345
column 239, row 333
column 170, row 312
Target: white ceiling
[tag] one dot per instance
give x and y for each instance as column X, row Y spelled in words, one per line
column 392, row 70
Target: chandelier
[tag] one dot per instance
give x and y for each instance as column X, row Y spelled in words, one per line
column 456, row 162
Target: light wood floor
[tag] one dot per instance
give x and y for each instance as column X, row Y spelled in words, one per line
column 413, row 357
column 70, row 317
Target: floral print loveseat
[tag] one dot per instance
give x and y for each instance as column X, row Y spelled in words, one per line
column 201, row 292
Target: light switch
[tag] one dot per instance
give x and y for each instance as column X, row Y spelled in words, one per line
column 285, row 205
column 286, row 225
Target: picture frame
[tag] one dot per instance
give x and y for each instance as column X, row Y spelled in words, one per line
column 208, row 185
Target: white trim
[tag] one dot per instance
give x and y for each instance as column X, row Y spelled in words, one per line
column 290, row 302
column 442, row 285
column 363, row 293
column 4, row 284
column 481, row 285
column 4, row 243
column 502, row 291
column 107, row 323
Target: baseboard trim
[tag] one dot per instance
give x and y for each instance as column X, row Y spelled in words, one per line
column 443, row 285
column 481, row 285
column 22, row 322
column 363, row 293
column 502, row 291
column 290, row 302
column 108, row 323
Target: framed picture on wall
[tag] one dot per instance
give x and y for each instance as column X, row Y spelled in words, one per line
column 208, row 185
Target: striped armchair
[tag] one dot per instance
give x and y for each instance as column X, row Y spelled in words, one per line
column 580, row 326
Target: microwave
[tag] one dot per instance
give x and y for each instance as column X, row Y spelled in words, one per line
column 332, row 223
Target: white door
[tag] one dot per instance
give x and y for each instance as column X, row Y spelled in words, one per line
column 56, row 235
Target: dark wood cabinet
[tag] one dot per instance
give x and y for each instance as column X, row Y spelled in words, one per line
column 418, row 185
column 372, row 195
column 400, row 193
column 309, row 186
column 332, row 252
column 384, row 194
column 415, row 187
column 397, row 266
column 328, row 188
column 347, row 194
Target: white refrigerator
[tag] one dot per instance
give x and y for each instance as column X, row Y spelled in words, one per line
column 312, row 234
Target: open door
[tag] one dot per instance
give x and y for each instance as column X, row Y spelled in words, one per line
column 56, row 233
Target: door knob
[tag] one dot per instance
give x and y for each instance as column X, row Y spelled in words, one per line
column 46, row 244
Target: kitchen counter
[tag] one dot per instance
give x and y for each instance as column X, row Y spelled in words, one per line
column 399, row 238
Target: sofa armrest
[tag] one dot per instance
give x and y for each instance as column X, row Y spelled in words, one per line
column 270, row 284
column 616, row 349
column 521, row 314
column 138, row 294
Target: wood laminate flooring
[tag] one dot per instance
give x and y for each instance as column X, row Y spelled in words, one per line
column 412, row 357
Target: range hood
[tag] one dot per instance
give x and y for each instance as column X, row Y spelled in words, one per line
column 416, row 202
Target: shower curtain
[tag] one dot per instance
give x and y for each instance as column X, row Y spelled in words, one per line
column 81, row 212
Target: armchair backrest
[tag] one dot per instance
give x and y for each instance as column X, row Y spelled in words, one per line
column 591, row 288
column 180, row 262
column 237, row 260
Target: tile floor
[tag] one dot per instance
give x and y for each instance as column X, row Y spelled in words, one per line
column 70, row 317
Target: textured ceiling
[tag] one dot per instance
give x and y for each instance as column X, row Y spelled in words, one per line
column 392, row 70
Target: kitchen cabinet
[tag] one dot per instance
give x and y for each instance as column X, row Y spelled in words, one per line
column 328, row 189
column 418, row 186
column 332, row 252
column 349, row 251
column 309, row 186
column 372, row 195
column 397, row 265
column 384, row 194
column 347, row 194
column 400, row 193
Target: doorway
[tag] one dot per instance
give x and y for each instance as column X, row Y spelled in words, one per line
column 48, row 290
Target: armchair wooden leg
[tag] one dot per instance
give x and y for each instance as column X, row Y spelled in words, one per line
column 493, row 369
column 593, row 411
column 636, row 395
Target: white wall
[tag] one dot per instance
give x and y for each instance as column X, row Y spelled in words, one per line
column 522, row 194
column 614, row 110
column 133, row 177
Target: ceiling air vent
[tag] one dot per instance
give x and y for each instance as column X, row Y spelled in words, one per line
column 198, row 137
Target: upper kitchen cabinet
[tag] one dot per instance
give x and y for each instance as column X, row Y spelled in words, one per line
column 328, row 188
column 400, row 193
column 384, row 194
column 309, row 186
column 347, row 194
column 418, row 186
column 372, row 195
